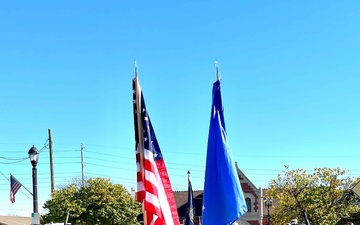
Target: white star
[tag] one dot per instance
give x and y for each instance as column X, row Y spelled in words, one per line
column 146, row 118
column 145, row 139
column 155, row 155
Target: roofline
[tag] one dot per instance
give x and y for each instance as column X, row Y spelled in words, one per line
column 247, row 180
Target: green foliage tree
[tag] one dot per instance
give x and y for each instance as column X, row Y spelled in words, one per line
column 321, row 198
column 98, row 202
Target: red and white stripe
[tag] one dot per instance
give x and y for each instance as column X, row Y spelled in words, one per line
column 16, row 186
column 151, row 191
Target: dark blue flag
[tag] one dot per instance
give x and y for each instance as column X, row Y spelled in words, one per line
column 190, row 210
column 223, row 201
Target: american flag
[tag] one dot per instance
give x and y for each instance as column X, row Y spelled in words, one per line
column 154, row 189
column 14, row 187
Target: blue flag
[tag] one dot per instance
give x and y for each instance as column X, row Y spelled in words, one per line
column 190, row 210
column 223, row 201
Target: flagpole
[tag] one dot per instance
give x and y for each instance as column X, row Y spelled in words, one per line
column 140, row 133
column 135, row 68
column 217, row 70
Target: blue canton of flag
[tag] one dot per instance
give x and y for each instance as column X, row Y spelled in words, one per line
column 223, row 201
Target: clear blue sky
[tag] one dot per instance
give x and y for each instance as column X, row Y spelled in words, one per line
column 290, row 81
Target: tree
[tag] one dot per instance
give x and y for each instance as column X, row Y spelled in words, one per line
column 320, row 198
column 98, row 202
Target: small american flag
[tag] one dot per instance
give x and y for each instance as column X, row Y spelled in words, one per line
column 154, row 189
column 15, row 185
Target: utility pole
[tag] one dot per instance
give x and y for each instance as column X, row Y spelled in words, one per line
column 51, row 162
column 82, row 166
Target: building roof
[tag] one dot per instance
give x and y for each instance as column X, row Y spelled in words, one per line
column 15, row 220
column 181, row 198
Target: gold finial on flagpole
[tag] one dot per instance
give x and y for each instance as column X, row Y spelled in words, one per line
column 217, row 70
column 135, row 67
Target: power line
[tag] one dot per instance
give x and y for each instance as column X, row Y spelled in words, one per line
column 110, row 155
column 106, row 162
column 18, row 160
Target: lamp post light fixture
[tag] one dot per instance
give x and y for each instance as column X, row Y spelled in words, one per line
column 268, row 204
column 34, row 158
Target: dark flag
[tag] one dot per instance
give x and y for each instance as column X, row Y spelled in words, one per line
column 15, row 185
column 190, row 210
column 223, row 201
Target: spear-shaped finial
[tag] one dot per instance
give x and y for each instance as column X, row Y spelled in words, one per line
column 135, row 67
column 217, row 70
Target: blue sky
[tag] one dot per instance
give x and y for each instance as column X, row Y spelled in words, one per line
column 290, row 81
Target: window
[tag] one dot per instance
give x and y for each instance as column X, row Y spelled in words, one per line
column 248, row 204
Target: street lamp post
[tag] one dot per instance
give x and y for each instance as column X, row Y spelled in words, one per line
column 34, row 157
column 268, row 204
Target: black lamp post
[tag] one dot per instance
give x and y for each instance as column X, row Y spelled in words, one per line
column 34, row 158
column 268, row 204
